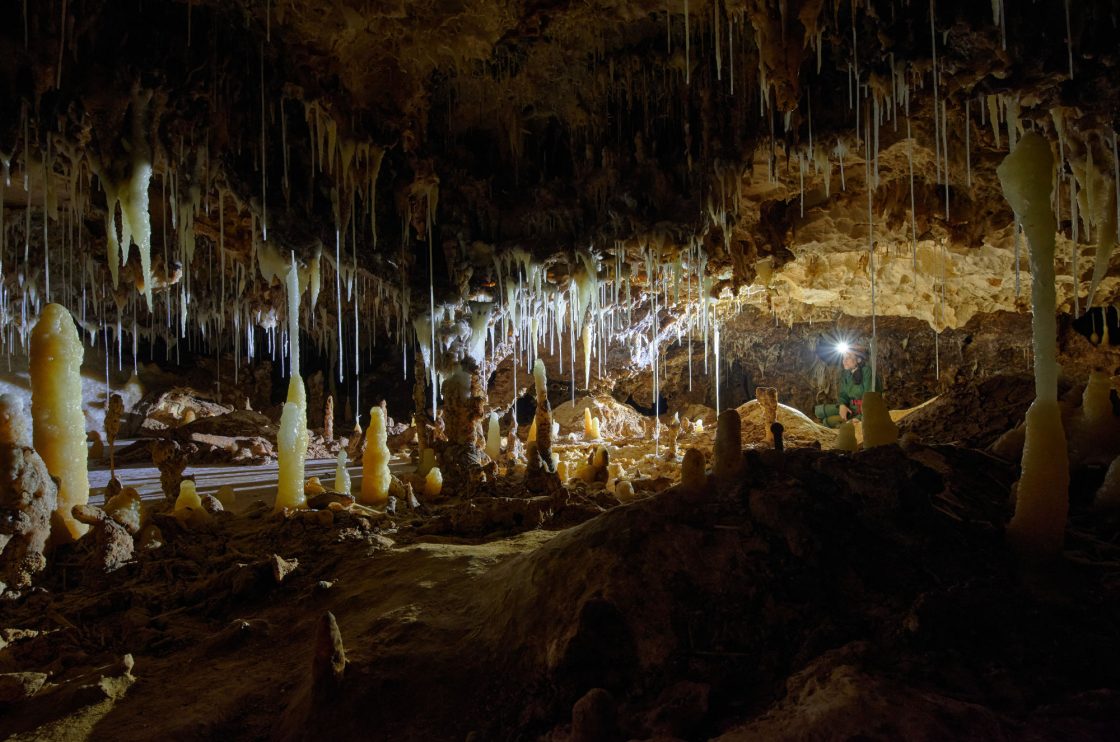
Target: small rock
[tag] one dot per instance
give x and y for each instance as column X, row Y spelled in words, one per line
column 16, row 686
column 594, row 717
column 282, row 567
column 324, row 500
column 212, row 504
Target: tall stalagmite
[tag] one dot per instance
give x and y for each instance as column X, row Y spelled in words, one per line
column 56, row 408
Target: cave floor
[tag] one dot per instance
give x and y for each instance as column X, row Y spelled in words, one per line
column 821, row 595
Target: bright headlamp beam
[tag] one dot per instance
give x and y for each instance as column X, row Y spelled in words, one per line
column 843, row 348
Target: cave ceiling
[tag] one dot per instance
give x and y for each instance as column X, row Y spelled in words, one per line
column 776, row 153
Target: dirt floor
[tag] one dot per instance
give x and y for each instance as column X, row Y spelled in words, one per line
column 825, row 596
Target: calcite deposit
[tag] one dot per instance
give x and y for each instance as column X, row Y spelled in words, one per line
column 28, row 499
column 576, row 282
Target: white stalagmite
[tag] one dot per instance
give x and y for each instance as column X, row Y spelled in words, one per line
column 493, row 438
column 1038, row 526
column 341, row 474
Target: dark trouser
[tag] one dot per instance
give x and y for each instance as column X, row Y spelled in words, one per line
column 829, row 414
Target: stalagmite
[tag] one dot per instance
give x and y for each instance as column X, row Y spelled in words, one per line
column 426, row 462
column 493, row 438
column 227, row 496
column 595, row 469
column 590, row 426
column 1108, row 494
column 188, row 505
column 727, row 464
column 341, row 475
column 768, row 398
column 846, row 437
column 693, row 476
column 375, row 462
column 1095, row 431
column 541, row 461
column 433, row 483
column 878, row 428
column 1038, row 526
column 56, row 408
column 328, row 418
column 292, row 438
column 674, row 433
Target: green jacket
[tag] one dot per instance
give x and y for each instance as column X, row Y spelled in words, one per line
column 850, row 390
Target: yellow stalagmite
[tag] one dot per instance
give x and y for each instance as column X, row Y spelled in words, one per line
column 375, row 461
column 188, row 498
column 56, row 409
column 846, row 437
column 693, row 476
column 1038, row 526
column 292, row 438
column 590, row 425
column 433, row 482
column 426, row 462
column 878, row 428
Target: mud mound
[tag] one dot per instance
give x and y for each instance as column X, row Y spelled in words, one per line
column 176, row 406
column 616, row 420
column 799, row 429
column 972, row 415
column 694, row 412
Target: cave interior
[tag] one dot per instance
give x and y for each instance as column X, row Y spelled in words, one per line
column 551, row 370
